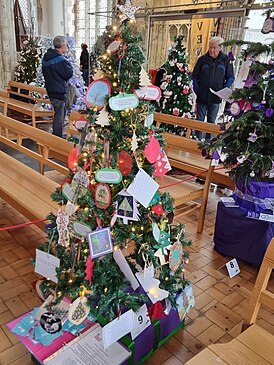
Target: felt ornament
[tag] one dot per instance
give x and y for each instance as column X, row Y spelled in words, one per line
column 152, row 149
column 124, row 163
column 158, row 209
column 102, row 118
column 143, row 78
column 128, row 11
column 102, row 196
column 175, row 256
column 156, row 311
column 89, row 270
column 73, row 158
column 161, row 165
column 62, row 222
column 163, row 241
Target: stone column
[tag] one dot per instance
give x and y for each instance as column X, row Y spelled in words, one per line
column 7, row 42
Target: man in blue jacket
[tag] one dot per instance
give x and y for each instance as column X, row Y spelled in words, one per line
column 212, row 70
column 57, row 71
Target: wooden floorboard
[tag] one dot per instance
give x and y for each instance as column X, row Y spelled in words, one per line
column 220, row 301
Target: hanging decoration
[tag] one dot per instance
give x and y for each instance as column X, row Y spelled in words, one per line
column 128, row 11
column 102, row 118
column 102, row 196
column 124, row 163
column 152, row 149
column 97, row 93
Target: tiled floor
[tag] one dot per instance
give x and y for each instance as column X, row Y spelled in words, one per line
column 220, row 301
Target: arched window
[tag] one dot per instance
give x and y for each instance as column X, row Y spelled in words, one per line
column 92, row 17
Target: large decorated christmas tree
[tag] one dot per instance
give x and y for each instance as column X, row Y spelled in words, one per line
column 114, row 224
column 175, row 85
column 246, row 146
column 28, row 62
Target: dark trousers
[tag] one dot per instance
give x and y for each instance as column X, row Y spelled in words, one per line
column 211, row 111
column 59, row 116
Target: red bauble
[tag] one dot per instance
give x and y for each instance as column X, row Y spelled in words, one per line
column 73, row 158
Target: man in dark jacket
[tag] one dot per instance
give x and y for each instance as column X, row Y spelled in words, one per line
column 57, row 71
column 212, row 70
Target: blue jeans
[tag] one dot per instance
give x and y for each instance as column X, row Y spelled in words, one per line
column 211, row 111
column 59, row 116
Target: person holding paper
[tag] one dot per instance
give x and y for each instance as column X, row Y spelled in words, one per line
column 213, row 71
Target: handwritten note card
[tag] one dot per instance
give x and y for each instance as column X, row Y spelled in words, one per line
column 143, row 188
column 45, row 264
column 118, row 328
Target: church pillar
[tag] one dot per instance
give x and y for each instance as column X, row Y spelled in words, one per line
column 7, row 43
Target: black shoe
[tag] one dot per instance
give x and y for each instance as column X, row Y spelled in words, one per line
column 200, row 180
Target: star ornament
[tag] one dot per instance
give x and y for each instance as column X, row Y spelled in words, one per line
column 128, row 11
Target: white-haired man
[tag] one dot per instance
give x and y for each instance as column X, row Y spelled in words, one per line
column 57, row 71
column 212, row 70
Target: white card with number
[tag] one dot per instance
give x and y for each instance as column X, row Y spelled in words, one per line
column 142, row 321
column 46, row 265
column 232, row 268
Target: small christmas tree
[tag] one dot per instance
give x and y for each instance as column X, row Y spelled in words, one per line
column 29, row 61
column 77, row 79
column 176, row 91
column 247, row 145
column 105, row 210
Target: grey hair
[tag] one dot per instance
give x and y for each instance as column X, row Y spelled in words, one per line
column 218, row 40
column 59, row 41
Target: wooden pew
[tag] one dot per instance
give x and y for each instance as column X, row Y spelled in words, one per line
column 26, row 189
column 28, row 100
column 183, row 151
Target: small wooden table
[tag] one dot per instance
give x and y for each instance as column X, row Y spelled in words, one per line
column 255, row 346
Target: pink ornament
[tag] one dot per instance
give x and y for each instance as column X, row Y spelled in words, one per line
column 185, row 90
column 176, row 111
column 161, row 165
column 152, row 149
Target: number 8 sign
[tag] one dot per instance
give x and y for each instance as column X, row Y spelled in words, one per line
column 232, row 268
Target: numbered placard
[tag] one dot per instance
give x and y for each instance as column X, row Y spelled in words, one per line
column 141, row 321
column 232, row 268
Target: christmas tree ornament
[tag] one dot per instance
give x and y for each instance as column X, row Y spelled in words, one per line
column 126, row 207
column 97, row 93
column 124, row 163
column 269, row 112
column 252, row 137
column 108, row 176
column 156, row 311
column 128, row 11
column 73, row 159
column 134, row 143
column 252, row 174
column 152, row 149
column 158, row 209
column 268, row 25
column 151, row 285
column 123, row 101
column 144, row 80
column 50, row 323
column 99, row 74
column 175, row 256
column 62, row 221
column 148, row 93
column 102, row 118
column 102, row 196
column 79, row 310
column 164, row 242
column 162, row 165
column 89, row 270
column 100, row 242
column 114, row 46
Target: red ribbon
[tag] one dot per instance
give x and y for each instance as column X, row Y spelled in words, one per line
column 22, row 225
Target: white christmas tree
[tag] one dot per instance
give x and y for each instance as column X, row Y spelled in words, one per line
column 45, row 43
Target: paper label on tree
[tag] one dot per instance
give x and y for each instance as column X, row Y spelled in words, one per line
column 125, row 268
column 143, row 188
column 46, row 265
column 109, row 176
column 148, row 93
column 123, row 101
column 149, row 120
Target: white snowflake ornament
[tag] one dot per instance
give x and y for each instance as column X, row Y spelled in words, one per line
column 128, row 11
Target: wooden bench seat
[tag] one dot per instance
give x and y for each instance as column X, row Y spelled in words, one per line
column 183, row 151
column 28, row 100
column 24, row 188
